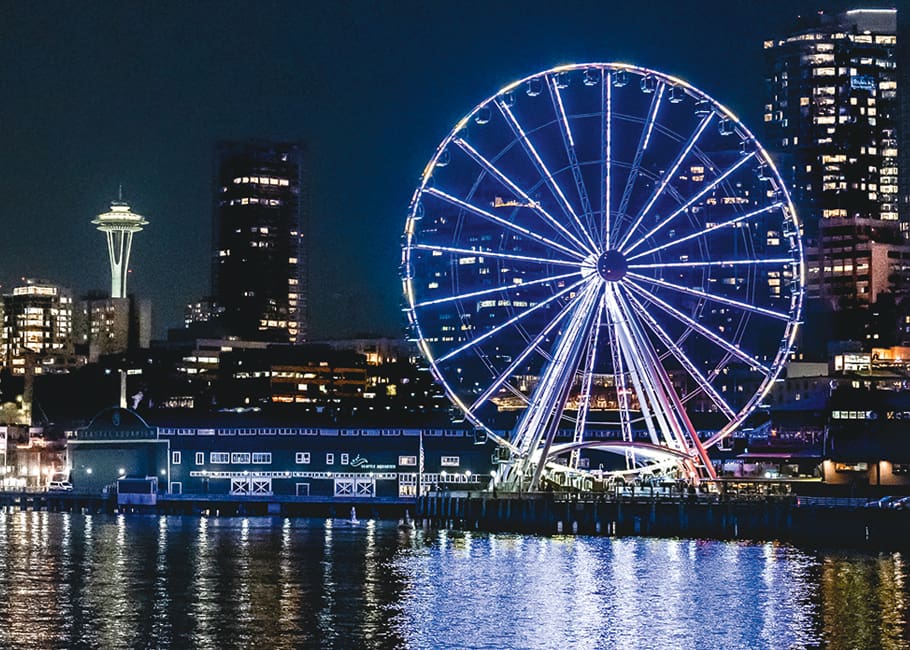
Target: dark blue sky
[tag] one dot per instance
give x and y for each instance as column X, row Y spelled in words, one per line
column 100, row 93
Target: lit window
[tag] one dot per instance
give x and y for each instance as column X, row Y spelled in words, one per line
column 302, row 458
column 175, row 458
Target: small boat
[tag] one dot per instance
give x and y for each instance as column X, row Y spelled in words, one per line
column 407, row 523
column 353, row 520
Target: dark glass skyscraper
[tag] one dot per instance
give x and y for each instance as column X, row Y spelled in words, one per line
column 903, row 91
column 259, row 258
column 832, row 116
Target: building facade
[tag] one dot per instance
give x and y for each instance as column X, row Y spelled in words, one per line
column 853, row 261
column 261, row 459
column 832, row 117
column 259, row 261
column 903, row 92
column 103, row 325
column 117, row 443
column 37, row 327
column 866, row 442
column 308, row 374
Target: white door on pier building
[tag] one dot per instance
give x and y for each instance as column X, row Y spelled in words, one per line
column 355, row 487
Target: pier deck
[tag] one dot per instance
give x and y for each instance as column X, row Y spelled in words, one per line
column 812, row 521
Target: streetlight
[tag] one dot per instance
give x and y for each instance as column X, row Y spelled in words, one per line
column 419, row 462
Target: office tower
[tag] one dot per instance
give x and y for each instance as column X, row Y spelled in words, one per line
column 38, row 325
column 119, row 225
column 198, row 312
column 831, row 117
column 259, row 265
column 903, row 92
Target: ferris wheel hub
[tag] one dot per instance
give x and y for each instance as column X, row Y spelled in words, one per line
column 612, row 266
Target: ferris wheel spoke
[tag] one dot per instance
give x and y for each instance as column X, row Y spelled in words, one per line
column 681, row 357
column 499, row 289
column 545, row 173
column 708, row 230
column 668, row 176
column 679, row 432
column 569, row 144
column 685, row 206
column 606, row 103
column 496, row 254
column 676, row 426
column 480, row 212
column 712, row 297
column 638, row 375
column 721, row 342
column 708, row 263
column 640, row 151
column 508, row 323
column 656, row 382
column 498, row 381
column 520, row 193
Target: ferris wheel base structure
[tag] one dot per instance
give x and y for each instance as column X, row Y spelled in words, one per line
column 605, row 248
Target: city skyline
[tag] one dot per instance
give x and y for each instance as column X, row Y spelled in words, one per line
column 371, row 114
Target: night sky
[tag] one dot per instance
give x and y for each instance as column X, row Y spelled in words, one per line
column 95, row 94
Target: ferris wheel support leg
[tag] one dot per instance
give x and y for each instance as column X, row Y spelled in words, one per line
column 541, row 419
column 550, row 433
column 584, row 397
column 619, row 383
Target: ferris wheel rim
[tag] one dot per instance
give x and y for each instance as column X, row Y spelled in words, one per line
column 796, row 259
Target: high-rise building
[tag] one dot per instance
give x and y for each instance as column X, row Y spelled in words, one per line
column 119, row 224
column 37, row 327
column 103, row 325
column 259, row 265
column 200, row 311
column 831, row 116
column 903, row 91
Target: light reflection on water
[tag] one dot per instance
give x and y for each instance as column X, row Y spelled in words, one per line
column 73, row 581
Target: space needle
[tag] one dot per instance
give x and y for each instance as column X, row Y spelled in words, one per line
column 119, row 224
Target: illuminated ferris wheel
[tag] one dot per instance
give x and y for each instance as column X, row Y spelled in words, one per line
column 608, row 253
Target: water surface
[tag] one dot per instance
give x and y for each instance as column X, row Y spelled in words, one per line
column 100, row 581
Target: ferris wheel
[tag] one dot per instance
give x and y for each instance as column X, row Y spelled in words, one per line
column 609, row 254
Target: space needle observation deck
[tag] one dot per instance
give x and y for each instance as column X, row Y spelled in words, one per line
column 119, row 224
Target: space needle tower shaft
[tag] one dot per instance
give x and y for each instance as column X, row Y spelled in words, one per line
column 119, row 224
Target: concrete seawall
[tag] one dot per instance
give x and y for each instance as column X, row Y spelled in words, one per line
column 780, row 519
